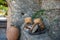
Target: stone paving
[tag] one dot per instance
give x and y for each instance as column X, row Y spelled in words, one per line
column 2, row 34
column 2, row 30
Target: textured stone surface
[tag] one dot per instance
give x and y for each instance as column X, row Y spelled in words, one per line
column 2, row 34
column 3, row 30
column 53, row 23
column 50, row 4
column 50, row 18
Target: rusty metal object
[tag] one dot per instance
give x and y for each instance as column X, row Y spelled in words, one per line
column 26, row 27
column 38, row 21
column 33, row 28
column 28, row 20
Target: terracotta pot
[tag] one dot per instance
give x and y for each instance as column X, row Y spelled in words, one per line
column 12, row 33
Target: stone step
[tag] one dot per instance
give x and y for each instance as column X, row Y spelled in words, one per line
column 3, row 24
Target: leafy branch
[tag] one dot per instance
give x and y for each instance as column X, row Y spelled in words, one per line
column 3, row 7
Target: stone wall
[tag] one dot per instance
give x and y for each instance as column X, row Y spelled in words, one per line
column 50, row 4
column 29, row 7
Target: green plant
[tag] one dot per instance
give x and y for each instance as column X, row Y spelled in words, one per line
column 2, row 2
column 38, row 14
column 3, row 7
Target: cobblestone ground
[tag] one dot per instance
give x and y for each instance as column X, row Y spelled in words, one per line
column 2, row 30
column 2, row 34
